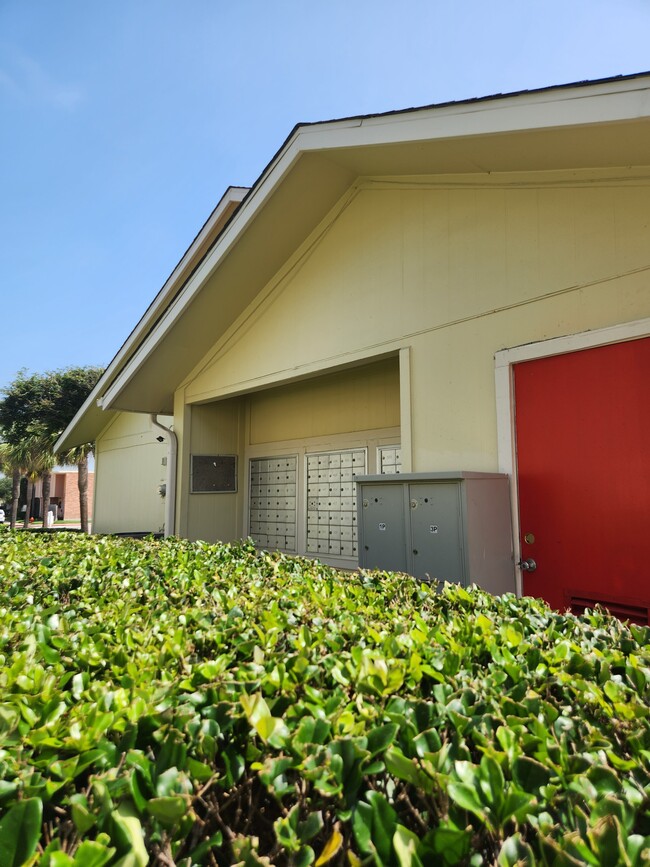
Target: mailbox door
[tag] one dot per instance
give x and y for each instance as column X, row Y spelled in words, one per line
column 383, row 544
column 436, row 531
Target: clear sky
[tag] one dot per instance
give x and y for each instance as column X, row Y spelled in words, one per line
column 122, row 122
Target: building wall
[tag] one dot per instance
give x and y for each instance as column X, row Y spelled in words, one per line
column 130, row 470
column 214, row 429
column 362, row 398
column 455, row 270
column 70, row 496
column 332, row 411
column 64, row 489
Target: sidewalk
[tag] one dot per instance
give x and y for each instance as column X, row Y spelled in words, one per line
column 58, row 525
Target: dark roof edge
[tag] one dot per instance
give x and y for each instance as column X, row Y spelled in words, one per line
column 224, row 198
column 471, row 100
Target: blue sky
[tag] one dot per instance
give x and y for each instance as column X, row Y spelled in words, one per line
column 122, row 123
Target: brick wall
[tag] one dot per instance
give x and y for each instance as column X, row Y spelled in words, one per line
column 70, row 496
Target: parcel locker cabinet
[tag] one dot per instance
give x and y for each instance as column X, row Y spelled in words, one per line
column 412, row 528
column 443, row 526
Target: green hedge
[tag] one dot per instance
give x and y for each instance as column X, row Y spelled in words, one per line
column 166, row 702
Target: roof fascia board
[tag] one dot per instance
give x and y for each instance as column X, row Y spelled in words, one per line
column 84, row 428
column 554, row 93
column 166, row 322
column 580, row 106
column 242, row 217
column 233, row 195
column 171, row 286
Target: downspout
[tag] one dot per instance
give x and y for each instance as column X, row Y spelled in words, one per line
column 170, row 490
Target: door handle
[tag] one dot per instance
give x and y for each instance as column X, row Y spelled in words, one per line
column 528, row 565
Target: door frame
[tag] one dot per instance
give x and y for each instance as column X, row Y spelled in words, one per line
column 504, row 360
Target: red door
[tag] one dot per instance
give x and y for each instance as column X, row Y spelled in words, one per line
column 583, row 464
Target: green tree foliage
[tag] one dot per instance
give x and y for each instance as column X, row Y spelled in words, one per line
column 44, row 403
column 5, row 489
column 34, row 411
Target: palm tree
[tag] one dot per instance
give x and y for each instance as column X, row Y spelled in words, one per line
column 33, row 459
column 34, row 412
column 47, row 461
column 15, row 496
column 10, row 465
column 79, row 456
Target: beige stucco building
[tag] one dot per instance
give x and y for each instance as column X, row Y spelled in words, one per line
column 365, row 304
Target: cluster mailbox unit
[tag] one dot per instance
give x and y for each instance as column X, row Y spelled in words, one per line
column 453, row 526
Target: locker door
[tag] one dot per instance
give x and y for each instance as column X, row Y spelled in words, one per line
column 384, row 533
column 436, row 532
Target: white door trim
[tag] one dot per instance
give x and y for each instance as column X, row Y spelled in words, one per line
column 503, row 364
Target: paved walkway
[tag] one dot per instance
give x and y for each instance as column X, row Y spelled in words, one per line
column 59, row 525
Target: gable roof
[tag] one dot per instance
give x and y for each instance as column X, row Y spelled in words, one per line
column 252, row 233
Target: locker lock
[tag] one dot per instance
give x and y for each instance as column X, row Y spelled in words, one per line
column 528, row 565
column 414, row 504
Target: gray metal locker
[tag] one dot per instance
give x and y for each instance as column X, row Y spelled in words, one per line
column 436, row 530
column 453, row 526
column 383, row 539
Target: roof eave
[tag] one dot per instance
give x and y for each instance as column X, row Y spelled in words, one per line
column 91, row 417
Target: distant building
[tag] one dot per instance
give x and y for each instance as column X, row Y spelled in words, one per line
column 64, row 494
